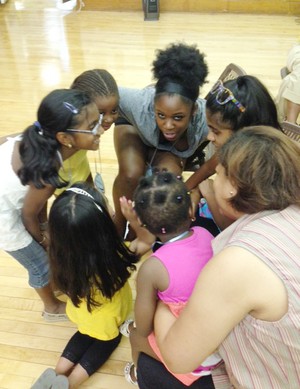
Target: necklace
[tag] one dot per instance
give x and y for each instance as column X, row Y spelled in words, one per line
column 157, row 244
column 61, row 163
column 180, row 236
column 149, row 169
column 98, row 180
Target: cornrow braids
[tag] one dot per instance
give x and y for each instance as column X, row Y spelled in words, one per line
column 97, row 82
column 162, row 202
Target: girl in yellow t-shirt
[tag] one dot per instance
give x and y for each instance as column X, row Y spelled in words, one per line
column 91, row 265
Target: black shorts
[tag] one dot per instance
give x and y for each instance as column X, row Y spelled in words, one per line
column 152, row 374
column 89, row 352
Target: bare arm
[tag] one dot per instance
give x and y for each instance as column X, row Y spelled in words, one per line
column 144, row 240
column 233, row 284
column 43, row 216
column 33, row 207
column 205, row 171
column 292, row 111
column 152, row 276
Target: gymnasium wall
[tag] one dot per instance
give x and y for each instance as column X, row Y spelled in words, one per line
column 282, row 7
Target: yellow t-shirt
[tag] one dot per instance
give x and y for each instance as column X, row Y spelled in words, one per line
column 104, row 321
column 74, row 169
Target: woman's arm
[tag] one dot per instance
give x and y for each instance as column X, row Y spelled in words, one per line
column 33, row 207
column 232, row 284
column 152, row 276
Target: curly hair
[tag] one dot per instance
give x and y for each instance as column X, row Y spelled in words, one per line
column 254, row 96
column 162, row 203
column 181, row 64
column 263, row 164
column 86, row 252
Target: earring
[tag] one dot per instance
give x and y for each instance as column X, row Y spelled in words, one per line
column 231, row 193
column 193, row 219
column 69, row 145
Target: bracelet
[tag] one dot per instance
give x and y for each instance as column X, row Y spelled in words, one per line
column 43, row 240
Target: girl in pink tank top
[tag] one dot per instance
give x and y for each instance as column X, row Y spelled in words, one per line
column 163, row 206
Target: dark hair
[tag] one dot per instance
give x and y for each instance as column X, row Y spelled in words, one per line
column 86, row 252
column 97, row 82
column 59, row 110
column 162, row 203
column 254, row 96
column 263, row 164
column 182, row 65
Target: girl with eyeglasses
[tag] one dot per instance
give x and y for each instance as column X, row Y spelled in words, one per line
column 237, row 103
column 162, row 125
column 103, row 89
column 67, row 121
column 91, row 264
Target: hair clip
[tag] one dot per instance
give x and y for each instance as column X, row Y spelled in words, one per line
column 163, row 230
column 38, row 125
column 100, row 209
column 84, row 193
column 71, row 108
column 80, row 191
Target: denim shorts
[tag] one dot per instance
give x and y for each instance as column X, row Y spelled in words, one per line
column 35, row 259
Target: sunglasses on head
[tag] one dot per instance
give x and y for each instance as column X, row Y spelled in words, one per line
column 224, row 95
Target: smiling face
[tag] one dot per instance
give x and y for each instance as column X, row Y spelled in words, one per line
column 173, row 116
column 219, row 131
column 87, row 121
column 108, row 106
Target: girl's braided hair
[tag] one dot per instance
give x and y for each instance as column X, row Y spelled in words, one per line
column 162, row 202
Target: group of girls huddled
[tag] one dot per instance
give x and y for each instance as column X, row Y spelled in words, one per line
column 210, row 312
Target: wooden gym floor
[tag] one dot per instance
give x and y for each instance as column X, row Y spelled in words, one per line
column 43, row 48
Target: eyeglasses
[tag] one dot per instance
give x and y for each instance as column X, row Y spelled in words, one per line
column 225, row 95
column 93, row 131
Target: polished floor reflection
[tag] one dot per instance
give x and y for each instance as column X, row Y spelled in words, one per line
column 43, row 48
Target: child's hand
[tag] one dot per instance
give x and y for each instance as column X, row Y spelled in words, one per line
column 128, row 210
column 141, row 247
column 144, row 239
